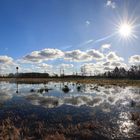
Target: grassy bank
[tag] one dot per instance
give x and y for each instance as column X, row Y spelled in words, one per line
column 118, row 82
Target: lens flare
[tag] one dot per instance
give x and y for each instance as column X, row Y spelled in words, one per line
column 125, row 30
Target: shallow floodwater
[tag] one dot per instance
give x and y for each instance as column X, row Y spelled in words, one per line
column 73, row 111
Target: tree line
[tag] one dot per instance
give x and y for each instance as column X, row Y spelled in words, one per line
column 118, row 73
column 28, row 75
column 132, row 73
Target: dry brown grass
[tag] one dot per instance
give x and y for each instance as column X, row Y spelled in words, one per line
column 14, row 127
column 102, row 82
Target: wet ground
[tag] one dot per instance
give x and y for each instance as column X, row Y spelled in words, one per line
column 69, row 111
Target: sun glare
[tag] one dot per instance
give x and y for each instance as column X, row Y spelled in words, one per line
column 125, row 30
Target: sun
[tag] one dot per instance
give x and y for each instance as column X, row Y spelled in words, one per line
column 125, row 30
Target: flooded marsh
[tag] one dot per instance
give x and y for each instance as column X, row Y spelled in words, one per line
column 69, row 110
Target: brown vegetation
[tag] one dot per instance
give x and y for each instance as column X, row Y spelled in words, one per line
column 117, row 82
column 14, row 127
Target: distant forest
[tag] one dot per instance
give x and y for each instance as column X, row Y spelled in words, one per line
column 132, row 73
column 117, row 73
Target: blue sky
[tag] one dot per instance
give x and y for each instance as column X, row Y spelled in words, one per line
column 67, row 25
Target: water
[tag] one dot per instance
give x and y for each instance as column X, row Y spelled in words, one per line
column 69, row 111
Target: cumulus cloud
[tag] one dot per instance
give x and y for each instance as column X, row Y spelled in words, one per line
column 5, row 59
column 80, row 56
column 52, row 54
column 44, row 55
column 95, row 54
column 33, row 57
column 112, row 64
column 119, row 64
column 135, row 59
column 92, row 68
column 106, row 63
column 112, row 61
column 112, row 56
column 106, row 68
column 101, row 67
column 111, row 4
column 7, row 64
column 94, row 61
column 77, row 55
column 115, row 64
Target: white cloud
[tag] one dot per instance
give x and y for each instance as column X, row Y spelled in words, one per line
column 118, row 64
column 112, row 56
column 112, row 64
column 5, row 59
column 49, row 53
column 66, row 66
column 95, row 54
column 105, row 46
column 87, row 23
column 44, row 66
column 106, row 63
column 33, row 57
column 39, row 67
column 80, row 56
column 7, row 64
column 87, row 68
column 8, row 68
column 44, row 55
column 92, row 68
column 77, row 56
column 111, row 4
column 101, row 67
column 96, row 62
column 52, row 54
column 108, row 68
column 135, row 59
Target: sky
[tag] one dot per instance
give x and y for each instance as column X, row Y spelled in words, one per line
column 49, row 35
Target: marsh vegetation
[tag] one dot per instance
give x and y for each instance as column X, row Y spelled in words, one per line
column 69, row 110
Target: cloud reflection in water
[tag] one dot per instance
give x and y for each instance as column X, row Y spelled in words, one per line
column 89, row 95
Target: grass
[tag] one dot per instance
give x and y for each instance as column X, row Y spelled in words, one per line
column 101, row 82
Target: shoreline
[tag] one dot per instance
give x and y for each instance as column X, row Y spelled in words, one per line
column 99, row 81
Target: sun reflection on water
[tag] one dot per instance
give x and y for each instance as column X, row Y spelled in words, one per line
column 110, row 105
column 126, row 125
